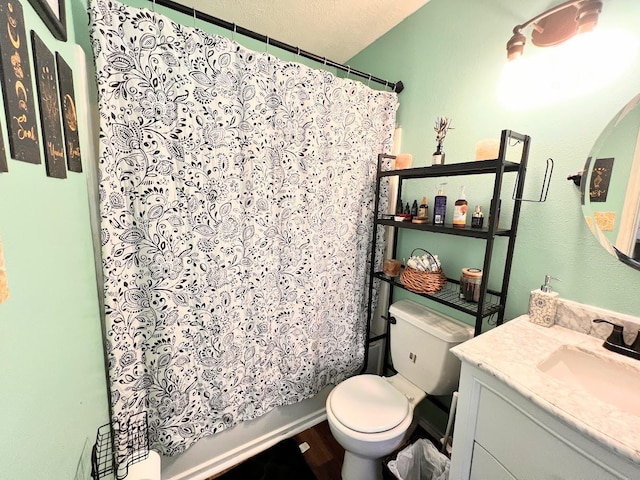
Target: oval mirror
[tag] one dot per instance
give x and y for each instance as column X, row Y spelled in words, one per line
column 610, row 186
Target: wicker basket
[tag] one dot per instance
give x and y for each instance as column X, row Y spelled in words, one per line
column 423, row 282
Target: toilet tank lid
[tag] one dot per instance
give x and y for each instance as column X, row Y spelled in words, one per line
column 436, row 324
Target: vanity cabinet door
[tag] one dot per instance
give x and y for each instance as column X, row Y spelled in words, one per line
column 484, row 466
column 501, row 434
column 529, row 449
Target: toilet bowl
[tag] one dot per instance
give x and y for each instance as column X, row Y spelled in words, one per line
column 371, row 416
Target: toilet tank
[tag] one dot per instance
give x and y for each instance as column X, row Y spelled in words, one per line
column 420, row 343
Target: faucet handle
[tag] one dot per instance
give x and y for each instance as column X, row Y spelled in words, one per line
column 616, row 337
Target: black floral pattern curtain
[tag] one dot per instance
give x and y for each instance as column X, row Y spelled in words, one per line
column 236, row 197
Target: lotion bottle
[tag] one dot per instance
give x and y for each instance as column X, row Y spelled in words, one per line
column 423, row 209
column 440, row 206
column 460, row 211
column 543, row 304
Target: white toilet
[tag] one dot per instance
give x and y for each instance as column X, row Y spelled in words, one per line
column 371, row 416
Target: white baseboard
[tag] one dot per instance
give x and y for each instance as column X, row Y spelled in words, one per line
column 237, row 455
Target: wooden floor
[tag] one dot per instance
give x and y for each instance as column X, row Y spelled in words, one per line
column 325, row 455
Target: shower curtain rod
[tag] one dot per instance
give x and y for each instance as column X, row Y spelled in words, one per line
column 197, row 14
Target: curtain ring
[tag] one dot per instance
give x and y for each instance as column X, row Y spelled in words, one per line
column 348, row 71
column 266, row 49
column 325, row 61
column 233, row 35
column 194, row 15
column 369, row 81
column 298, row 54
column 386, row 84
column 153, row 6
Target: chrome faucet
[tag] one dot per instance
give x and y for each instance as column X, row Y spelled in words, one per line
column 615, row 342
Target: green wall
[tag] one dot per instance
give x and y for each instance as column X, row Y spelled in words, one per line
column 449, row 55
column 51, row 362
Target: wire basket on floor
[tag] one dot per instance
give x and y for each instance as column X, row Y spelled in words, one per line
column 422, row 281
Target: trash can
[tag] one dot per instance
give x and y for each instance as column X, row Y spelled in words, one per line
column 420, row 461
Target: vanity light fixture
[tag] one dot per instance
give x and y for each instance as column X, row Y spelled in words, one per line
column 556, row 25
column 574, row 59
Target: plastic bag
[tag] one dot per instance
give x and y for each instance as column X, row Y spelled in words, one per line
column 420, row 461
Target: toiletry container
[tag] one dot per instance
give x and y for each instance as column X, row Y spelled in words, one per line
column 477, row 219
column 423, row 209
column 460, row 211
column 543, row 304
column 470, row 281
column 399, row 206
column 414, row 209
column 439, row 206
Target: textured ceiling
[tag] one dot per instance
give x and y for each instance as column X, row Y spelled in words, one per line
column 335, row 29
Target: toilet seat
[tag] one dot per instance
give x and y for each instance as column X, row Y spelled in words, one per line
column 368, row 404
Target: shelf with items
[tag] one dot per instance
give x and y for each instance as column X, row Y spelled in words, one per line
column 446, row 229
column 450, row 296
column 490, row 302
column 478, row 167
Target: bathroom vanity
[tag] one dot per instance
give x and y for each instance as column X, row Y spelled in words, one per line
column 546, row 403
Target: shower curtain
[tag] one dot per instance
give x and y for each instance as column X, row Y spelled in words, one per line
column 236, row 199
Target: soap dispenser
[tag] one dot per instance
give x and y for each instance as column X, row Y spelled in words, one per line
column 543, row 304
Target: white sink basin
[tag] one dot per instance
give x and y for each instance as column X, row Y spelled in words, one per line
column 610, row 382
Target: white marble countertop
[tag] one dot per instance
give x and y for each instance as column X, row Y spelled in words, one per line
column 512, row 352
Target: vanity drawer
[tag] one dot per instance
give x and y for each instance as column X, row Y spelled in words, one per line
column 484, row 466
column 527, row 448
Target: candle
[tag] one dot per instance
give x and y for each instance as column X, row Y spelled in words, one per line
column 403, row 160
column 487, row 149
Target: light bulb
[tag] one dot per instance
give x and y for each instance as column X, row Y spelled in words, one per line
column 583, row 64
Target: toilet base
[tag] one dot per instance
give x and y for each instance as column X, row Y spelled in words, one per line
column 355, row 467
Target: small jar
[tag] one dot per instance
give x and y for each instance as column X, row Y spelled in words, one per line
column 470, row 284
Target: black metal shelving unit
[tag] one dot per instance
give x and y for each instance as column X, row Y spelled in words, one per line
column 491, row 302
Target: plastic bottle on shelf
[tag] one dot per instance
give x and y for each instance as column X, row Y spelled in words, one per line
column 460, row 211
column 423, row 209
column 440, row 206
column 477, row 218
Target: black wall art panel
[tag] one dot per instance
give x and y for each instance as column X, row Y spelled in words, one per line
column 600, row 178
column 45, row 71
column 69, row 115
column 16, row 84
